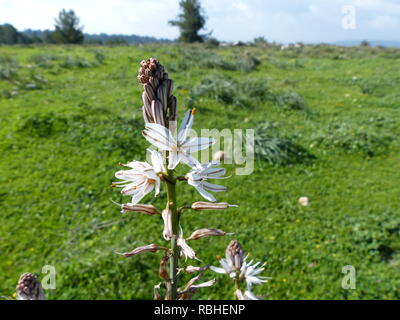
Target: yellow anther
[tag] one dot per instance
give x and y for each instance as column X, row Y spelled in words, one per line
column 194, row 111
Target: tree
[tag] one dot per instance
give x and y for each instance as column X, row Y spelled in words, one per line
column 10, row 35
column 67, row 28
column 190, row 21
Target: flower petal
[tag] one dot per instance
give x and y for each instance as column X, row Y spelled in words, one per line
column 218, row 270
column 206, row 195
column 173, row 160
column 157, row 160
column 213, row 187
column 197, row 144
column 159, row 136
column 185, row 126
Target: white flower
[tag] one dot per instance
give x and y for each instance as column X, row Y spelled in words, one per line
column 247, row 295
column 142, row 178
column 304, row 201
column 186, row 250
column 199, row 175
column 181, row 147
column 248, row 271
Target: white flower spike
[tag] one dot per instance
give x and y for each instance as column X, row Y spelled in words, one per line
column 142, row 178
column 181, row 147
column 199, row 175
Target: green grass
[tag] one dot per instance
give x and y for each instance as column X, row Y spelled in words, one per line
column 69, row 115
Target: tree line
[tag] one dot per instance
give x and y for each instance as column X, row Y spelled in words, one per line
column 67, row 29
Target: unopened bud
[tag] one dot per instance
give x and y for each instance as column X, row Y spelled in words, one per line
column 202, row 205
column 143, row 208
column 29, row 288
column 149, row 248
column 192, row 269
column 236, row 254
column 167, row 217
column 157, row 112
column 201, row 233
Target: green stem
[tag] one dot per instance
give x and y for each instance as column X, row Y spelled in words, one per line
column 174, row 261
column 236, row 281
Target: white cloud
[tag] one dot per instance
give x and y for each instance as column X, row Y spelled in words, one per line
column 314, row 9
column 383, row 22
column 244, row 8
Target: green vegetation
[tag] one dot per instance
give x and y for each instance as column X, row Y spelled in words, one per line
column 327, row 123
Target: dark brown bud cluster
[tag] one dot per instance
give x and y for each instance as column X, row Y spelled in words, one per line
column 159, row 105
column 235, row 253
column 29, row 288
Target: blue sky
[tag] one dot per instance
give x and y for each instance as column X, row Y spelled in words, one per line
column 230, row 20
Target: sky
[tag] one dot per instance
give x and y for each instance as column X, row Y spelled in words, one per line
column 229, row 20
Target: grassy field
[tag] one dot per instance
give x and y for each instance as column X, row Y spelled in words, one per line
column 327, row 123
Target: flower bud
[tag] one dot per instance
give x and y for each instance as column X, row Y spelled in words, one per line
column 149, row 93
column 162, row 95
column 202, row 205
column 157, row 112
column 201, row 233
column 192, row 269
column 149, row 248
column 29, row 288
column 151, row 70
column 143, row 208
column 235, row 254
column 167, row 217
